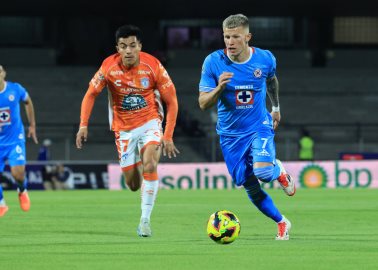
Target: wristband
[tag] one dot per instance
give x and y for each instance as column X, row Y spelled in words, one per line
column 275, row 109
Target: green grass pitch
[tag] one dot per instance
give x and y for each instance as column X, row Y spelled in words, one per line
column 332, row 229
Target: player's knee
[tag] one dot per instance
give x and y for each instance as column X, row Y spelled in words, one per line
column 18, row 176
column 133, row 186
column 150, row 166
column 264, row 174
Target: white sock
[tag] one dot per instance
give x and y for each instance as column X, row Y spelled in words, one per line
column 2, row 202
column 148, row 195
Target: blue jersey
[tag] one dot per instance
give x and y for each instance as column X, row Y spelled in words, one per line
column 11, row 126
column 242, row 104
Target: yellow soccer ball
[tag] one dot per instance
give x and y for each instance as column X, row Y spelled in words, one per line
column 223, row 227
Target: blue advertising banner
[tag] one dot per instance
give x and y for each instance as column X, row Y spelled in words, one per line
column 74, row 176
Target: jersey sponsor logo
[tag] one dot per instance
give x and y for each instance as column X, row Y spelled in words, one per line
column 5, row 116
column 133, row 102
column 244, row 99
column 244, row 87
column 117, row 83
column 167, row 84
column 11, row 97
column 257, row 73
column 116, row 72
column 144, row 72
column 264, row 153
column 97, row 79
column 145, row 82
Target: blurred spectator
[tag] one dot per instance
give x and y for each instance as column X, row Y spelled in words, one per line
column 60, row 177
column 48, row 172
column 306, row 146
column 44, row 153
column 55, row 177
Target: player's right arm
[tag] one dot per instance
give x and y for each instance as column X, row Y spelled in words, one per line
column 211, row 86
column 95, row 87
column 207, row 100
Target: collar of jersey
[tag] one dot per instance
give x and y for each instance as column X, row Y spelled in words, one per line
column 241, row 63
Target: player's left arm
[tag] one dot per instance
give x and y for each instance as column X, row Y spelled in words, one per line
column 168, row 96
column 29, row 108
column 272, row 89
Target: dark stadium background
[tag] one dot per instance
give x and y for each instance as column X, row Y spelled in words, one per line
column 327, row 57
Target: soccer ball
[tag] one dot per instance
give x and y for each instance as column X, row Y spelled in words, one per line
column 223, row 227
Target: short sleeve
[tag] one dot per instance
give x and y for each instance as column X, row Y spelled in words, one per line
column 22, row 92
column 208, row 80
column 272, row 66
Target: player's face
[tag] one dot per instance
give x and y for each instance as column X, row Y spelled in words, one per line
column 129, row 49
column 236, row 41
column 2, row 74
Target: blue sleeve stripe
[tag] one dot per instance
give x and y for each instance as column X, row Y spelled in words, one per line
column 206, row 89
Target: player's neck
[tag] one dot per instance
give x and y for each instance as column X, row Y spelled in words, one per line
column 128, row 66
column 2, row 86
column 242, row 57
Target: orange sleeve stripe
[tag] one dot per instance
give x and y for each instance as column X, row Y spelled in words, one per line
column 87, row 105
column 151, row 176
column 170, row 99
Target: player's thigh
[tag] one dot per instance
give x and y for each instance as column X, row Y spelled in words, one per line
column 263, row 148
column 18, row 172
column 127, row 148
column 236, row 155
column 150, row 145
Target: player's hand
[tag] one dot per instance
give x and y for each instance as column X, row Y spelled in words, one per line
column 169, row 149
column 81, row 136
column 224, row 79
column 33, row 134
column 276, row 116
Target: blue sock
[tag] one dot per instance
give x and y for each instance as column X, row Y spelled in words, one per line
column 261, row 199
column 22, row 185
column 1, row 192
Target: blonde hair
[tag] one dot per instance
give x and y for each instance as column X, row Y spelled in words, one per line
column 236, row 20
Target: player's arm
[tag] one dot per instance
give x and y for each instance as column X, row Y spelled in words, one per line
column 95, row 87
column 29, row 108
column 168, row 96
column 86, row 110
column 207, row 100
column 272, row 89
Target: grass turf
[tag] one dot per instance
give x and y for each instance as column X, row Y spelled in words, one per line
column 332, row 229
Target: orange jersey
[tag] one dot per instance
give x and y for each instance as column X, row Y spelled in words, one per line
column 132, row 101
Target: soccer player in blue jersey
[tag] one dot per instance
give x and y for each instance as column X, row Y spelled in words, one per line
column 12, row 136
column 238, row 79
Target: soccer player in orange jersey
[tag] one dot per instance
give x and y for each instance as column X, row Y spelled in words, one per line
column 137, row 83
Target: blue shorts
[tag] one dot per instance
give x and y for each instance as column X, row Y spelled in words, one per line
column 14, row 153
column 242, row 151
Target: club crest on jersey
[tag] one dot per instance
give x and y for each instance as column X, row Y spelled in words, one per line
column 257, row 73
column 5, row 118
column 145, row 82
column 244, row 99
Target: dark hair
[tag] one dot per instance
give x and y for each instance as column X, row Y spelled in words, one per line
column 128, row 30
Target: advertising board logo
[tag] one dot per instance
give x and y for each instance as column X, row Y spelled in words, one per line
column 313, row 176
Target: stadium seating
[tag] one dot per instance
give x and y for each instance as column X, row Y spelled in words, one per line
column 336, row 104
